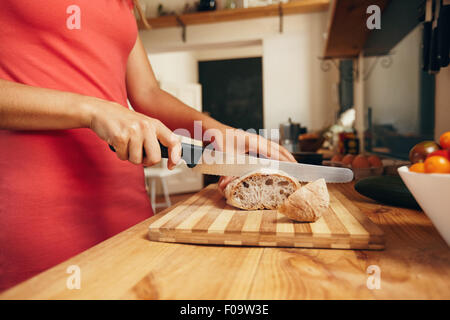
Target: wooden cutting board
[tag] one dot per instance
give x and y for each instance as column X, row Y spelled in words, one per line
column 205, row 218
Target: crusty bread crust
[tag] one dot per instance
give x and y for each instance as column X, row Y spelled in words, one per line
column 308, row 203
column 262, row 189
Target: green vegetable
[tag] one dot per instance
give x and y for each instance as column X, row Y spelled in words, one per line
column 388, row 190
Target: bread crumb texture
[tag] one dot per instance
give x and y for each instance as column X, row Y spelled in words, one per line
column 308, row 203
column 260, row 190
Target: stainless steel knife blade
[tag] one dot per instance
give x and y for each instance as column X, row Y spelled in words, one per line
column 222, row 164
column 214, row 162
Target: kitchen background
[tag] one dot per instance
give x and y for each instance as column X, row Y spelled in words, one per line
column 261, row 72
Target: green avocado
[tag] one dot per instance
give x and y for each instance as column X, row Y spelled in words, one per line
column 388, row 190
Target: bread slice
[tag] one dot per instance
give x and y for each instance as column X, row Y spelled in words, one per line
column 262, row 189
column 308, row 203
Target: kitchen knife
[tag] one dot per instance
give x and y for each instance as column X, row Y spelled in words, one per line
column 209, row 161
column 190, row 153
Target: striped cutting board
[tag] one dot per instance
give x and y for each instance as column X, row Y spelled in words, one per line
column 205, row 218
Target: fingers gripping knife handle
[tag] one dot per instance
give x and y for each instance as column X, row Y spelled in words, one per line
column 189, row 152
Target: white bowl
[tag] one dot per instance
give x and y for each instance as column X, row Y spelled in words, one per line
column 432, row 192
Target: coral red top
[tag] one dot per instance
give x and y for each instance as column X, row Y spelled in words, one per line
column 62, row 192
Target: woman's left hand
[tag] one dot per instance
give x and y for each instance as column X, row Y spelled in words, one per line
column 250, row 143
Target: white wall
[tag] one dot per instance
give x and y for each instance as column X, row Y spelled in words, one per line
column 395, row 91
column 287, row 89
column 442, row 102
column 294, row 84
column 178, row 67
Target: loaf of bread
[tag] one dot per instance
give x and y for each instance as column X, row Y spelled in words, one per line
column 308, row 203
column 263, row 189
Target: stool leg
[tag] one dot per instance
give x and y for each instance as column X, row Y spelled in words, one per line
column 166, row 192
column 147, row 186
column 153, row 193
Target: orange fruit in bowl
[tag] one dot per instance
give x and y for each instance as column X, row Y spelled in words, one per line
column 418, row 167
column 444, row 140
column 437, row 164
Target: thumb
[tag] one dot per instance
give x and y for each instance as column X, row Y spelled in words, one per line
column 224, row 181
column 172, row 142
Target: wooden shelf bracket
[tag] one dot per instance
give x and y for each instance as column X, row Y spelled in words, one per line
column 183, row 27
column 384, row 61
column 280, row 15
column 326, row 63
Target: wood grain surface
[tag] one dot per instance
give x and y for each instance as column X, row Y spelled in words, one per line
column 206, row 219
column 415, row 264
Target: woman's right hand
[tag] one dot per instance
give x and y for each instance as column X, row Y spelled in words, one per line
column 130, row 133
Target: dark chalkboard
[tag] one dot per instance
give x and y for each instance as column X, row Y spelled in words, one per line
column 232, row 91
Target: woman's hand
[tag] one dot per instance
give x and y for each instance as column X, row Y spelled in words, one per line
column 130, row 133
column 252, row 143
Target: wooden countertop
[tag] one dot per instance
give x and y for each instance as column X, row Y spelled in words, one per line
column 414, row 265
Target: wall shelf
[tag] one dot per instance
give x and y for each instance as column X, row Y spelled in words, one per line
column 348, row 34
column 347, row 30
column 296, row 7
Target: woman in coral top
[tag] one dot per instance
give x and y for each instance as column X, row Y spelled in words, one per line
column 67, row 68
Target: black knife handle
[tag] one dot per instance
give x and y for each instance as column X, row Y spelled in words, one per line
column 190, row 153
column 164, row 151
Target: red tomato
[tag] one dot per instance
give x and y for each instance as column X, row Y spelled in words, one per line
column 437, row 164
column 444, row 140
column 442, row 153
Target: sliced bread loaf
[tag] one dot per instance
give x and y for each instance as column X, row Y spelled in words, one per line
column 262, row 189
column 308, row 203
